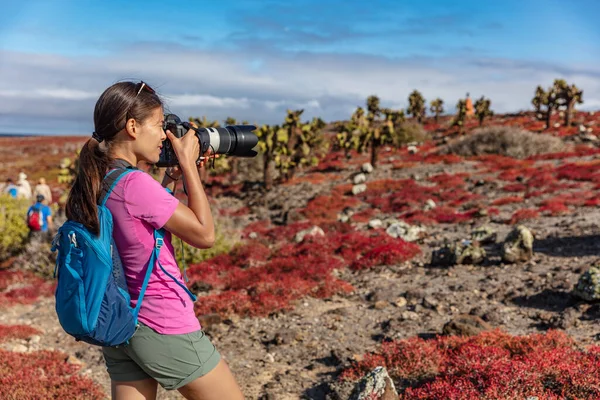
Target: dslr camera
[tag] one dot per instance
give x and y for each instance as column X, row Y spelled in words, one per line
column 235, row 140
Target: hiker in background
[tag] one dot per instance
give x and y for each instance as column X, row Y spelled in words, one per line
column 39, row 216
column 469, row 105
column 24, row 191
column 10, row 188
column 43, row 189
column 169, row 347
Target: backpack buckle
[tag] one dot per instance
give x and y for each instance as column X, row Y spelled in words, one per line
column 159, row 243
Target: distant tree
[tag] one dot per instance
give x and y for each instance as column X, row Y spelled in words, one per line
column 547, row 99
column 437, row 108
column 461, row 115
column 373, row 108
column 416, row 105
column 482, row 109
column 567, row 97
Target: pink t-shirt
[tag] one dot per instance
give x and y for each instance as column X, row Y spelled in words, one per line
column 139, row 204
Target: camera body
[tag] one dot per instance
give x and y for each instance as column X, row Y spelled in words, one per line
column 236, row 140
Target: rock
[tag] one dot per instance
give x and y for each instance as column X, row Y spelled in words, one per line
column 484, row 235
column 269, row 358
column 430, row 302
column 74, row 360
column 315, row 230
column 464, row 252
column 20, row 348
column 367, row 168
column 381, row 304
column 412, row 149
column 582, row 128
column 410, row 316
column 429, row 205
column 357, row 189
column 518, row 245
column 375, row 223
column 466, row 325
column 360, row 178
column 588, row 285
column 400, row 302
column 377, row 384
column 404, row 231
column 34, row 339
column 345, row 215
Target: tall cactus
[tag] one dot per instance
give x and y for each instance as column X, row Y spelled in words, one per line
column 373, row 108
column 437, row 108
column 461, row 115
column 416, row 105
column 482, row 109
column 271, row 143
column 548, row 99
column 348, row 136
column 568, row 97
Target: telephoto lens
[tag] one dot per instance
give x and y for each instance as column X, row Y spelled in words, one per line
column 235, row 140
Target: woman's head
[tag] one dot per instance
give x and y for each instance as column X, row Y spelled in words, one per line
column 128, row 124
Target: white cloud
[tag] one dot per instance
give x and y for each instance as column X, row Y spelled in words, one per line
column 229, row 84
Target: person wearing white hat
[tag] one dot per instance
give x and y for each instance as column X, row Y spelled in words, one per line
column 24, row 188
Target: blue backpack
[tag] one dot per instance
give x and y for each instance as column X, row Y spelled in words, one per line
column 92, row 299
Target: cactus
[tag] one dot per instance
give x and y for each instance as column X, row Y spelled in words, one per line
column 416, row 105
column 547, row 99
column 461, row 114
column 437, row 108
column 482, row 109
column 271, row 141
column 204, row 122
column 373, row 108
column 568, row 97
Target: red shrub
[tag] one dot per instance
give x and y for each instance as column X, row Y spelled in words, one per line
column 492, row 365
column 515, row 187
column 18, row 287
column 507, row 200
column 393, row 253
column 553, row 207
column 326, row 208
column 43, row 375
column 523, row 215
column 8, row 332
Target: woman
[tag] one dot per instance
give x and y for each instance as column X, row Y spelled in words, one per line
column 169, row 347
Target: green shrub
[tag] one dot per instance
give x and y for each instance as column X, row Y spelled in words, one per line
column 192, row 255
column 13, row 227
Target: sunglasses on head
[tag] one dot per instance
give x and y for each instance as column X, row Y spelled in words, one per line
column 143, row 86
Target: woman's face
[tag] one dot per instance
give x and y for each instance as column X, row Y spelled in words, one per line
column 151, row 136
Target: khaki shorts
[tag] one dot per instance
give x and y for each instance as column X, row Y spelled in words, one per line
column 172, row 360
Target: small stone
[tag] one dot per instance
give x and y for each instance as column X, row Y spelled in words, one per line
column 400, row 302
column 360, row 178
column 410, row 316
column 381, row 304
column 270, row 358
column 34, row 339
column 366, row 168
column 357, row 189
column 20, row 348
column 375, row 223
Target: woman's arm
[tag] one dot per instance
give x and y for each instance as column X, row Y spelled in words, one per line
column 192, row 223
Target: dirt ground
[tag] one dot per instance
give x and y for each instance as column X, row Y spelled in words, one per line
column 299, row 353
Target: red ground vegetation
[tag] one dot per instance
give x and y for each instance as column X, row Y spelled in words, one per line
column 19, row 287
column 257, row 280
column 492, row 365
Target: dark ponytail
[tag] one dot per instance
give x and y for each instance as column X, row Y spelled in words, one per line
column 114, row 108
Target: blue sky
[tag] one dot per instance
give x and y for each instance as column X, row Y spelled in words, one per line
column 255, row 59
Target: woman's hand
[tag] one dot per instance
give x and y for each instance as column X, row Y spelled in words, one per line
column 187, row 147
column 174, row 172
